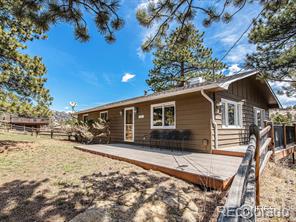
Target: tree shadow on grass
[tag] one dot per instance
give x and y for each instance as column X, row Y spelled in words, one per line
column 134, row 195
column 9, row 145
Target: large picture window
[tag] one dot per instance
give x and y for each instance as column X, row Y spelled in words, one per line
column 259, row 117
column 163, row 116
column 231, row 114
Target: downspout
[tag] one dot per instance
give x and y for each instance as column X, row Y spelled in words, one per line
column 213, row 117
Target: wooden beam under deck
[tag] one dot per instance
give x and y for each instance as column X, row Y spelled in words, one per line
column 280, row 154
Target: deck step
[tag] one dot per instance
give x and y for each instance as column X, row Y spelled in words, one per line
column 229, row 153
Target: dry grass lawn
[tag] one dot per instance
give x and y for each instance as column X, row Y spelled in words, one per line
column 48, row 180
column 278, row 189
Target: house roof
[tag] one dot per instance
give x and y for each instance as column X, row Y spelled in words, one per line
column 220, row 84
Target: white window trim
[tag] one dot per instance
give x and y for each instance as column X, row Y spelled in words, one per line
column 104, row 112
column 172, row 103
column 240, row 121
column 262, row 111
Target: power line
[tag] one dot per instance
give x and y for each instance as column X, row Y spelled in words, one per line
column 250, row 25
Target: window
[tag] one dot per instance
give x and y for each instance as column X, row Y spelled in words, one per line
column 259, row 117
column 85, row 118
column 231, row 114
column 163, row 116
column 104, row 115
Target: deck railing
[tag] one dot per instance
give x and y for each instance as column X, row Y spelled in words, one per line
column 284, row 135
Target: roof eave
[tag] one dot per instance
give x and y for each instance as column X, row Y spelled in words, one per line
column 151, row 98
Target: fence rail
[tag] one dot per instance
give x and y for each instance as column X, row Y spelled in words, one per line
column 245, row 187
column 37, row 131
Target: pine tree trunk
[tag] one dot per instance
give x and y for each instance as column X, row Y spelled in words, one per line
column 182, row 75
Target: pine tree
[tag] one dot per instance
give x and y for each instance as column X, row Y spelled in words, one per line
column 21, row 76
column 162, row 14
column 181, row 58
column 44, row 13
column 275, row 37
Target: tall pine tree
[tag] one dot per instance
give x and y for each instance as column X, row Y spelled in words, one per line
column 22, row 79
column 275, row 37
column 180, row 58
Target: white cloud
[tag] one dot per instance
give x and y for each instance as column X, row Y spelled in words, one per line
column 238, row 54
column 234, row 69
column 284, row 99
column 127, row 76
column 67, row 107
column 145, row 3
column 227, row 37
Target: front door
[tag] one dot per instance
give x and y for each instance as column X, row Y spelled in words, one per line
column 129, row 124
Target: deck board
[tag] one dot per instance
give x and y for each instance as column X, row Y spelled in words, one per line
column 200, row 168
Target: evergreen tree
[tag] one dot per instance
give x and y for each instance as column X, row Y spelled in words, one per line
column 181, row 58
column 275, row 37
column 44, row 13
column 21, row 76
column 163, row 13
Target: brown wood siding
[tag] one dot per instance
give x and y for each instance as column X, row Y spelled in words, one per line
column 192, row 112
column 249, row 92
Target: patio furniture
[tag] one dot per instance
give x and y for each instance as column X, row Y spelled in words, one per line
column 168, row 138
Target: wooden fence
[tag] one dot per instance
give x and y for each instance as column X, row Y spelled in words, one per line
column 244, row 193
column 52, row 133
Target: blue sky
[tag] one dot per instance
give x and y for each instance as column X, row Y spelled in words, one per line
column 96, row 72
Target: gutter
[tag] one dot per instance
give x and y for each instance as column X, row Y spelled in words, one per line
column 213, row 117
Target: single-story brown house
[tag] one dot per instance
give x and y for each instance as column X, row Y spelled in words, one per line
column 217, row 113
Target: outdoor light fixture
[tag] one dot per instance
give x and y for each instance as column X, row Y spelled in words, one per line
column 120, row 112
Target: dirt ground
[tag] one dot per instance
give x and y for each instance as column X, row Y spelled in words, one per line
column 278, row 191
column 48, row 180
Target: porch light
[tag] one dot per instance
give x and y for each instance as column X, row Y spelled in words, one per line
column 120, row 112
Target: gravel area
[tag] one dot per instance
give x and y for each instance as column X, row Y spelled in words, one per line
column 48, row 180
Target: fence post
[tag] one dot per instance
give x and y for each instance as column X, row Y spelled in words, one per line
column 285, row 135
column 255, row 130
column 293, row 154
column 51, row 134
column 272, row 144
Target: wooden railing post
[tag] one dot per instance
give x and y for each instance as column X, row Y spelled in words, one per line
column 293, row 154
column 51, row 134
column 272, row 143
column 255, row 131
column 285, row 135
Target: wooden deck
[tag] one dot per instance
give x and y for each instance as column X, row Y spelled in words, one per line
column 213, row 171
